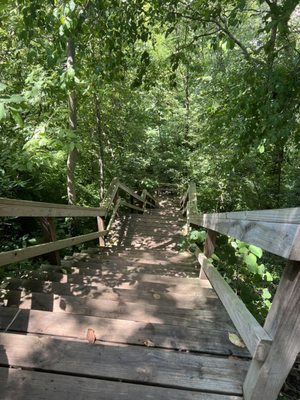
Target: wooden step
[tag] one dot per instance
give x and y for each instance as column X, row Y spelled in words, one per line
column 201, row 298
column 20, row 384
column 153, row 254
column 121, row 266
column 212, row 341
column 210, row 318
column 116, row 279
column 129, row 363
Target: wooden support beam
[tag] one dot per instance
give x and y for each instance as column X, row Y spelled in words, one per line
column 113, row 214
column 49, row 235
column 265, row 379
column 125, row 204
column 210, row 242
column 255, row 337
column 131, row 192
column 13, row 256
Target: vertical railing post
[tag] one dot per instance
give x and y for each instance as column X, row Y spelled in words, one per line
column 264, row 380
column 101, row 227
column 49, row 235
column 132, row 203
column 209, row 248
column 144, row 197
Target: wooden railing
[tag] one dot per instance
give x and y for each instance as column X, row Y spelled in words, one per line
column 275, row 346
column 46, row 211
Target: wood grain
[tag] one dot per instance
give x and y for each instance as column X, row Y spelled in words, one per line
column 181, row 370
column 202, row 340
column 24, row 208
column 277, row 238
column 255, row 337
column 13, row 256
column 31, row 385
column 264, row 380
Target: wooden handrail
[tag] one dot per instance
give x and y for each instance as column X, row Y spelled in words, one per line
column 24, row 208
column 255, row 337
column 274, row 347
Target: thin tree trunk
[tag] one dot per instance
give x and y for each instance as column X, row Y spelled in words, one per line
column 99, row 130
column 186, row 81
column 71, row 162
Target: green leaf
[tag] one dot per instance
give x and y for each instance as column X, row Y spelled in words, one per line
column 266, row 294
column 241, row 244
column 243, row 250
column 256, row 250
column 250, row 260
column 268, row 277
column 18, row 119
column 72, row 5
column 261, row 148
column 3, row 112
column 261, row 269
column 2, row 87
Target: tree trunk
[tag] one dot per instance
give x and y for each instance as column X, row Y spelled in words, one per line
column 71, row 162
column 100, row 136
column 186, row 81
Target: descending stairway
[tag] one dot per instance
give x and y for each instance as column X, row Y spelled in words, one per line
column 127, row 322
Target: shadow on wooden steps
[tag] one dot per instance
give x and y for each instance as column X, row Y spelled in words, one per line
column 158, row 336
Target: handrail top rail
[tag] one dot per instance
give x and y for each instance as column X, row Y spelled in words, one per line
column 275, row 230
column 289, row 215
column 27, row 208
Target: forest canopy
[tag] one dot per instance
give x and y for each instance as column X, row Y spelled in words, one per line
column 151, row 91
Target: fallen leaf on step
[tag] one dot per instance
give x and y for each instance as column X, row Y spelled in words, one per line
column 236, row 340
column 148, row 343
column 156, row 296
column 90, row 335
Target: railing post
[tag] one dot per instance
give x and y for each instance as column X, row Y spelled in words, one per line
column 265, row 379
column 132, row 203
column 49, row 235
column 209, row 248
column 101, row 227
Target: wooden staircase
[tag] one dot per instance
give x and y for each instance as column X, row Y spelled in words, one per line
column 131, row 321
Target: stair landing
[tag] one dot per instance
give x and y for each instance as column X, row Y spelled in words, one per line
column 130, row 322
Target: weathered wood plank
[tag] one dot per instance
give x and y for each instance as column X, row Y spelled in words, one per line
column 255, row 337
column 202, row 340
column 166, row 301
column 264, row 380
column 113, row 214
column 13, row 256
column 110, row 196
column 133, row 207
column 209, row 318
column 280, row 215
column 277, row 238
column 107, row 282
column 149, row 195
column 25, row 208
column 131, row 192
column 31, row 385
column 149, row 365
